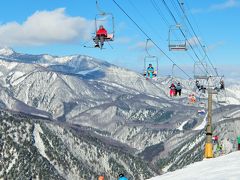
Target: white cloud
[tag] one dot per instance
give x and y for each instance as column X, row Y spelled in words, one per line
column 193, row 41
column 217, row 7
column 225, row 5
column 214, row 46
column 123, row 40
column 142, row 45
column 46, row 27
column 196, row 10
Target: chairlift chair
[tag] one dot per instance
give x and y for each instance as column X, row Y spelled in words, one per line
column 102, row 19
column 224, row 100
column 173, row 43
column 150, row 59
column 200, row 75
column 201, row 112
column 106, row 19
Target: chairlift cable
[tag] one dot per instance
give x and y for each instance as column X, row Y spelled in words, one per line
column 149, row 37
column 169, row 10
column 147, row 22
column 157, row 8
column 99, row 9
column 183, row 20
column 197, row 37
column 109, row 44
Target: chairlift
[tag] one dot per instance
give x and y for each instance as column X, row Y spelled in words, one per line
column 220, row 83
column 220, row 89
column 196, row 71
column 221, row 102
column 227, row 117
column 224, row 99
column 173, row 43
column 201, row 112
column 201, row 103
column 150, row 59
column 106, row 19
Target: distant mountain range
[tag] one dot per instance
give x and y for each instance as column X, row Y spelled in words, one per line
column 114, row 105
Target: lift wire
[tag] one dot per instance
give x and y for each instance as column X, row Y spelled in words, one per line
column 132, row 4
column 193, row 18
column 196, row 25
column 177, row 11
column 179, row 14
column 169, row 10
column 184, row 22
column 150, row 38
column 157, row 8
column 197, row 38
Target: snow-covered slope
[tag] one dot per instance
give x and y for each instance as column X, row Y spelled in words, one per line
column 221, row 168
column 113, row 102
column 39, row 149
column 82, row 90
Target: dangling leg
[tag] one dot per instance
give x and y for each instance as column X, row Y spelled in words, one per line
column 151, row 75
column 102, row 40
column 97, row 41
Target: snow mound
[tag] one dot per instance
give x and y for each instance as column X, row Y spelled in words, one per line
column 224, row 168
column 6, row 51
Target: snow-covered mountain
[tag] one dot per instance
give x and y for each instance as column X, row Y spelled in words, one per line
column 224, row 168
column 34, row 148
column 114, row 103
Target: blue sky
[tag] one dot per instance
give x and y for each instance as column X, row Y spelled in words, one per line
column 61, row 27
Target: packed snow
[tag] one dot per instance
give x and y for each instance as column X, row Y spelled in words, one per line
column 88, row 71
column 38, row 140
column 203, row 124
column 8, row 65
column 17, row 77
column 221, row 168
column 181, row 126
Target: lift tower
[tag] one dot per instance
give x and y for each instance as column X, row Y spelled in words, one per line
column 208, row 145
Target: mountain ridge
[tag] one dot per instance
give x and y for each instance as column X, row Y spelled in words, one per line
column 115, row 105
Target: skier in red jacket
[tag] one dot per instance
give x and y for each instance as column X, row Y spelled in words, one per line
column 101, row 34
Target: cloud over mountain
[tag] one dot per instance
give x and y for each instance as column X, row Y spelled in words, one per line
column 46, row 27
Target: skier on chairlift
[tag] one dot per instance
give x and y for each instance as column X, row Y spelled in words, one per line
column 192, row 99
column 172, row 90
column 101, row 34
column 150, row 71
column 178, row 89
column 200, row 87
column 222, row 85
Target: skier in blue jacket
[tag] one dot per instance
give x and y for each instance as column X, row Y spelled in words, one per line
column 122, row 177
column 150, row 71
